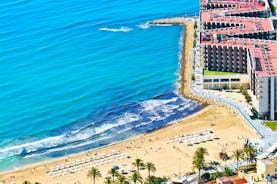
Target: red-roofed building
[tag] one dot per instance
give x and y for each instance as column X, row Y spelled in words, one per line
column 238, row 36
column 231, row 180
column 228, row 180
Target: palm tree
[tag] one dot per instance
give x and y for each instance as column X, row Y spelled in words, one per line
column 238, row 154
column 199, row 160
column 216, row 175
column 108, row 180
column 121, row 179
column 136, row 177
column 228, row 172
column 150, row 168
column 94, row 173
column 138, row 163
column 26, row 182
column 113, row 172
column 250, row 152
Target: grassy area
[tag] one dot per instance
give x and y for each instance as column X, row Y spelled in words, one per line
column 271, row 124
column 209, row 73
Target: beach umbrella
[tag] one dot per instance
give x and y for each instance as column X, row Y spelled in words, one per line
column 190, row 142
column 185, row 141
column 116, row 167
column 57, row 167
column 67, row 164
column 130, row 168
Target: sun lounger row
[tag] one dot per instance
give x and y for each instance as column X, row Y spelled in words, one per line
column 202, row 134
column 86, row 163
column 198, row 140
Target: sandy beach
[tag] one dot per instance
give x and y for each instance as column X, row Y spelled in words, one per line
column 170, row 158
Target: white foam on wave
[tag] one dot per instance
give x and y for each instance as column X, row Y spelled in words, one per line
column 122, row 120
column 67, row 138
column 154, row 107
column 66, row 147
column 121, row 29
column 152, row 104
column 144, row 25
column 164, row 25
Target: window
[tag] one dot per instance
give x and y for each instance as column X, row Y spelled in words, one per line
column 224, row 80
column 235, row 80
column 207, row 80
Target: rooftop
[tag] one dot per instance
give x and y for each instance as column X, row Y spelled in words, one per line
column 266, row 162
column 232, row 180
column 224, row 30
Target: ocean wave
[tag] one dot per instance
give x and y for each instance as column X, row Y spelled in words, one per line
column 144, row 25
column 140, row 117
column 164, row 25
column 121, row 29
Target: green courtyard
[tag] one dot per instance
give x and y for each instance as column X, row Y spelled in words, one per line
column 271, row 124
column 214, row 73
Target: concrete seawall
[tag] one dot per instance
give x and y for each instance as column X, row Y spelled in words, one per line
column 186, row 60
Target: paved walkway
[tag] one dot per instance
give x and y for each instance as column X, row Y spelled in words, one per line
column 268, row 137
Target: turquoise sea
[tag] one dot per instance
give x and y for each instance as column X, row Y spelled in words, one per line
column 80, row 74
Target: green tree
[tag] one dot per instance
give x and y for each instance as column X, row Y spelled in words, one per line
column 113, row 172
column 193, row 77
column 199, row 160
column 150, row 168
column 195, row 25
column 108, row 180
column 248, row 98
column 225, row 86
column 228, row 172
column 216, row 175
column 138, row 163
column 237, row 155
column 194, row 43
column 273, row 9
column 136, row 177
column 155, row 180
column 195, row 34
column 250, row 152
column 241, row 89
column 120, row 179
column 27, row 182
column 94, row 173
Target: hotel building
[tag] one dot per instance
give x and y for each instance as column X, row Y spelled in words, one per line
column 238, row 36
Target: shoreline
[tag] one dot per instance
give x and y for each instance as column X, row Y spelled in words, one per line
column 210, row 116
column 181, row 91
column 186, row 58
column 141, row 146
column 171, row 123
column 50, row 160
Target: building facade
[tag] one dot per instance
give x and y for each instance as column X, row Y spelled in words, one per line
column 238, row 36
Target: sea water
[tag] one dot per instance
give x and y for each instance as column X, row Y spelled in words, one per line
column 81, row 74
